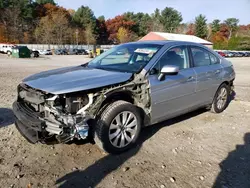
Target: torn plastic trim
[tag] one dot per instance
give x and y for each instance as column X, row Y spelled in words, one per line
column 139, row 89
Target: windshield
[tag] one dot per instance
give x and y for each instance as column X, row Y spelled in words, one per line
column 126, row 57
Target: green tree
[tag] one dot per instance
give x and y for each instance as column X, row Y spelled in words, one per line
column 156, row 21
column 142, row 22
column 233, row 43
column 101, row 18
column 84, row 17
column 201, row 26
column 215, row 26
column 232, row 24
column 170, row 19
column 46, row 1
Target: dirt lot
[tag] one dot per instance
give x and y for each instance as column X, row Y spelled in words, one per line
column 199, row 149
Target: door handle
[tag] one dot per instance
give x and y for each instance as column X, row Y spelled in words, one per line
column 217, row 71
column 190, row 78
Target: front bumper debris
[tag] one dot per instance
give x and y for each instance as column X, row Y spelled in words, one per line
column 35, row 128
column 27, row 123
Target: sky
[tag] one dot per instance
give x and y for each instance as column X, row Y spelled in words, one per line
column 213, row 9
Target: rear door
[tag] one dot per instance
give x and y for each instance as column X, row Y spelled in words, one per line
column 208, row 70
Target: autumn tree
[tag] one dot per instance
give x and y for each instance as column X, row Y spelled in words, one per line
column 219, row 40
column 44, row 32
column 190, row 29
column 114, row 24
column 232, row 24
column 224, row 30
column 3, row 34
column 17, row 18
column 201, row 26
column 48, row 9
column 12, row 22
column 170, row 19
column 123, row 35
column 53, row 28
column 102, row 33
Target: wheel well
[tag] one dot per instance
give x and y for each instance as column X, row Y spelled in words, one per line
column 124, row 95
column 229, row 83
column 226, row 82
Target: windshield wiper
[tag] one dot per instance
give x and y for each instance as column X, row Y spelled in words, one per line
column 85, row 64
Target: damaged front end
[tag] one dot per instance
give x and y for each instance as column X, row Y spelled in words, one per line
column 41, row 116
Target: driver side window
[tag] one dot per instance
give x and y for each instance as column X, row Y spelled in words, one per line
column 177, row 56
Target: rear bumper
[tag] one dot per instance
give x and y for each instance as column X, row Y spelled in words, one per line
column 27, row 122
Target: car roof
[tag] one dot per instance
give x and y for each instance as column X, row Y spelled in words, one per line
column 164, row 42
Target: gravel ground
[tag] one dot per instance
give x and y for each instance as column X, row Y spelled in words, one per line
column 199, row 149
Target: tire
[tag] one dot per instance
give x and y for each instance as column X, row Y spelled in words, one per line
column 108, row 126
column 221, row 99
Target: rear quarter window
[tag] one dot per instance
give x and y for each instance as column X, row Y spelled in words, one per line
column 214, row 59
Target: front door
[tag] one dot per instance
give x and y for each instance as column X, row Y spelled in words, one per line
column 174, row 94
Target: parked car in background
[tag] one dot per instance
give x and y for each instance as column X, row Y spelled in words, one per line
column 61, row 52
column 34, row 53
column 115, row 95
column 88, row 51
column 6, row 48
column 82, row 52
column 45, row 52
column 48, row 52
column 242, row 54
column 228, row 54
column 72, row 52
column 221, row 53
column 247, row 54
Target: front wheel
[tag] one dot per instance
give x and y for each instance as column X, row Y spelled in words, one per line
column 221, row 99
column 118, row 127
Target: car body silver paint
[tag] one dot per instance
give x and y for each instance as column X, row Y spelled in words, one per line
column 74, row 79
column 169, row 69
column 190, row 89
column 177, row 94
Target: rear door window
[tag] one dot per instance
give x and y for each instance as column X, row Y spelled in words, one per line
column 201, row 57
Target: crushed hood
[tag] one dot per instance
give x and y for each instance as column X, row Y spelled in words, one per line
column 73, row 79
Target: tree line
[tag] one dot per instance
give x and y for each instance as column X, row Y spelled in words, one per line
column 43, row 21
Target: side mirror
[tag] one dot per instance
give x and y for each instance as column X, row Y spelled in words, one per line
column 168, row 70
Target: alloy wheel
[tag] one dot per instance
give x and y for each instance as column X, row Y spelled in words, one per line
column 222, row 98
column 123, row 129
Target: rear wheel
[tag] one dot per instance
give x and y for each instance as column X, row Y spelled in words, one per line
column 118, row 127
column 221, row 99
